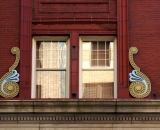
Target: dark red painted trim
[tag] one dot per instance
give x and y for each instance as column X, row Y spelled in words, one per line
column 74, row 2
column 63, row 32
column 74, row 20
column 123, row 62
column 74, row 65
column 25, row 48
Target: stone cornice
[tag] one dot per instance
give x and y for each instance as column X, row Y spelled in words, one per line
column 79, row 111
column 80, row 106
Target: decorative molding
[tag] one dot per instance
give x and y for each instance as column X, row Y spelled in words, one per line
column 74, row 118
column 8, row 82
column 140, row 86
column 80, row 106
column 80, row 111
column 62, row 6
column 91, row 20
column 36, row 31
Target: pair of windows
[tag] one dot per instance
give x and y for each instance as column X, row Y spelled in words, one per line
column 51, row 64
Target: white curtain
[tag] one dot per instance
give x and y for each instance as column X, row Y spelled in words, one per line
column 51, row 83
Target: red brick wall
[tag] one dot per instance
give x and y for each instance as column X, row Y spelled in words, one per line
column 144, row 25
column 9, row 32
column 144, row 33
column 102, row 21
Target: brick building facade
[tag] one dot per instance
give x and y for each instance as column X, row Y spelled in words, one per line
column 126, row 23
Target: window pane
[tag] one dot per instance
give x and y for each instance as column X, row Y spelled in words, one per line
column 94, row 45
column 51, row 55
column 108, row 62
column 94, row 63
column 94, row 54
column 107, row 55
column 51, row 84
column 101, row 62
column 107, row 45
column 101, row 45
column 97, row 54
column 101, row 55
column 97, row 84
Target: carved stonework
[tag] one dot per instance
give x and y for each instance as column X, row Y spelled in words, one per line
column 79, row 111
column 140, row 86
column 8, row 86
column 79, row 118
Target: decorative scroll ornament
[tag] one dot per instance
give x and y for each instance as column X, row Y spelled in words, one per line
column 8, row 86
column 140, row 86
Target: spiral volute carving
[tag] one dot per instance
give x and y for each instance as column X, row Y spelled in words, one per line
column 8, row 83
column 140, row 86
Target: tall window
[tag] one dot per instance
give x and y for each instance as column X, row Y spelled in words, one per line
column 97, row 67
column 51, row 69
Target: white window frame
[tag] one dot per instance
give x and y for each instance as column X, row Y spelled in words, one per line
column 98, row 38
column 49, row 38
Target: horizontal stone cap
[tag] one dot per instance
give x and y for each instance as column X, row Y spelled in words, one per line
column 80, row 106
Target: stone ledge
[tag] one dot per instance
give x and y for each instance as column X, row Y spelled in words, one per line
column 80, row 106
column 80, row 126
